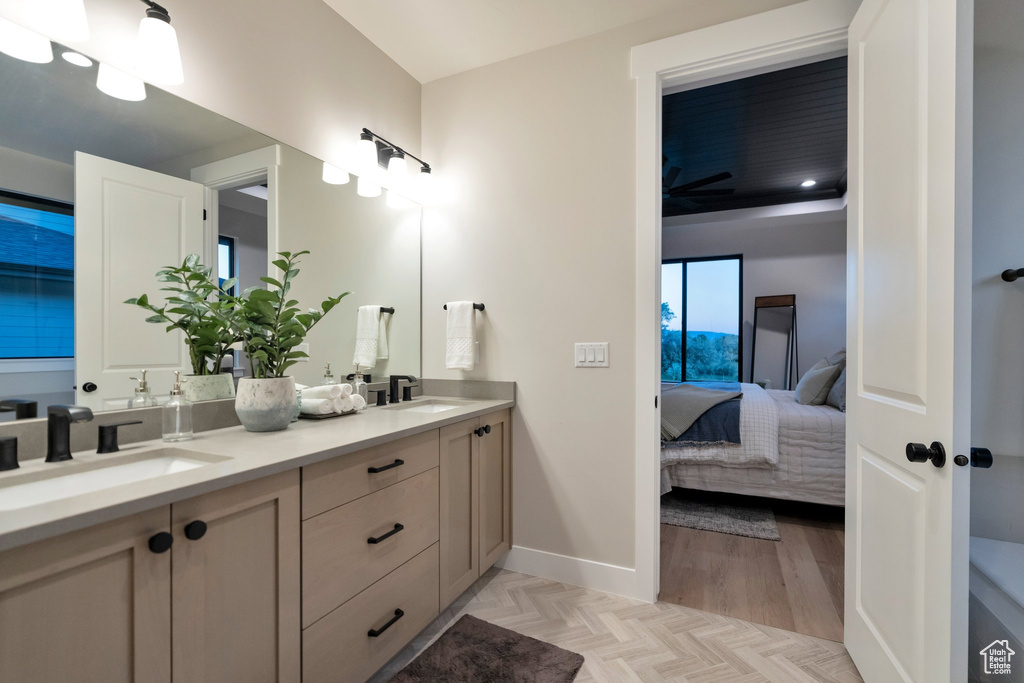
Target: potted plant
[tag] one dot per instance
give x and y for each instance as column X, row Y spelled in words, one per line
column 271, row 326
column 203, row 311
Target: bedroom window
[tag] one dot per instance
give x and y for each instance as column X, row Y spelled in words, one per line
column 701, row 319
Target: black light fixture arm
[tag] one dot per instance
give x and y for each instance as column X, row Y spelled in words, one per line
column 389, row 143
column 1011, row 274
column 157, row 11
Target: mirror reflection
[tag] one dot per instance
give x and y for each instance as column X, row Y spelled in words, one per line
column 98, row 194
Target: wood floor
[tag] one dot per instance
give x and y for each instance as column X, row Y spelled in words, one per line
column 627, row 640
column 794, row 584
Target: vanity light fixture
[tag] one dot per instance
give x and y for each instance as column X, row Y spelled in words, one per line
column 159, row 59
column 119, row 84
column 364, row 188
column 21, row 43
column 76, row 58
column 63, row 19
column 424, row 180
column 333, row 175
column 366, row 151
column 397, row 166
column 809, row 183
column 373, row 151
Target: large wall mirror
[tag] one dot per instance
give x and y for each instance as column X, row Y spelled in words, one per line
column 97, row 194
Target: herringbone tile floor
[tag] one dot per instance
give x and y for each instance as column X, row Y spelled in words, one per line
column 627, row 640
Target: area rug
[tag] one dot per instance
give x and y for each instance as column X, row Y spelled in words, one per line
column 754, row 521
column 473, row 650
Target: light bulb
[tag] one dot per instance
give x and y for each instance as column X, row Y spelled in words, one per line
column 20, row 43
column 366, row 152
column 334, row 176
column 397, row 201
column 364, row 188
column 120, row 84
column 397, row 165
column 76, row 58
column 159, row 60
column 424, row 181
column 63, row 19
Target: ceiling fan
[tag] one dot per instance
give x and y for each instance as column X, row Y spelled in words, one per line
column 691, row 190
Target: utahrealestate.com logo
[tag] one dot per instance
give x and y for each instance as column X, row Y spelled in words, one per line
column 997, row 657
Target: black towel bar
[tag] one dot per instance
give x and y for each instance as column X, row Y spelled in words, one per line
column 478, row 307
column 387, row 309
column 1012, row 274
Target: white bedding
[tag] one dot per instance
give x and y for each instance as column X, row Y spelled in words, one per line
column 811, row 465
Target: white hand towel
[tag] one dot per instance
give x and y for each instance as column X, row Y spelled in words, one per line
column 358, row 402
column 346, row 390
column 344, row 404
column 325, row 391
column 382, row 336
column 368, row 324
column 317, row 406
column 460, row 352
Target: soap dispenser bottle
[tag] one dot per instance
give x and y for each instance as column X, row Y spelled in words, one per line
column 177, row 414
column 358, row 385
column 142, row 398
column 328, row 375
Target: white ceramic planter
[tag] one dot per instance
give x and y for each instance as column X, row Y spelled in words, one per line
column 265, row 405
column 209, row 387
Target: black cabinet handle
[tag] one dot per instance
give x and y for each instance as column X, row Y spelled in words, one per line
column 161, row 542
column 375, row 470
column 374, row 632
column 371, row 539
column 918, row 452
column 195, row 530
column 486, row 429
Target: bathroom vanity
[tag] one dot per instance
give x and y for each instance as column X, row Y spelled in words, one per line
column 312, row 554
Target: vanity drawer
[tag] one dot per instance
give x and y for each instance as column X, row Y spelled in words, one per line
column 339, row 647
column 338, row 561
column 329, row 484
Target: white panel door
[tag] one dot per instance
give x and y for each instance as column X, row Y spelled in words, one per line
column 129, row 223
column 909, row 309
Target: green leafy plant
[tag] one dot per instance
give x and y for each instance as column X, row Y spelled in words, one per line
column 200, row 308
column 271, row 325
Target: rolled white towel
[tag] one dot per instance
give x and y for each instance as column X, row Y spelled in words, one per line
column 346, row 390
column 358, row 402
column 344, row 404
column 325, row 391
column 317, row 406
column 300, row 387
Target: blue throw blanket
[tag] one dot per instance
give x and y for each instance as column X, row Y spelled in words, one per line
column 719, row 424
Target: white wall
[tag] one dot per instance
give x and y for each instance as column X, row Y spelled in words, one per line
column 997, row 391
column 790, row 255
column 34, row 175
column 538, row 152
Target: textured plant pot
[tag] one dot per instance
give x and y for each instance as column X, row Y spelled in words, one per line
column 265, row 405
column 209, row 387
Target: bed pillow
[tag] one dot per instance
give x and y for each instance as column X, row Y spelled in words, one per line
column 838, row 358
column 837, row 394
column 813, row 387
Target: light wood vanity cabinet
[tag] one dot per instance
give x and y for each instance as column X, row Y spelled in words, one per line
column 99, row 604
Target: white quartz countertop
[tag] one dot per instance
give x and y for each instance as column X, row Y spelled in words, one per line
column 238, row 456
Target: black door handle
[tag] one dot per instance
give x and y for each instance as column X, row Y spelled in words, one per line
column 918, row 452
column 375, row 470
column 486, row 429
column 89, row 387
column 371, row 539
column 161, row 542
column 374, row 632
column 195, row 530
column 980, row 457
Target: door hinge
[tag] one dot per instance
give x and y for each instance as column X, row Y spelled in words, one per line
column 204, row 214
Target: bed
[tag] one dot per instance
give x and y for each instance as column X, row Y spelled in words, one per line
column 787, row 451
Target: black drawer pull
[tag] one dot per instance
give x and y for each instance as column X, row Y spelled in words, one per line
column 374, row 632
column 398, row 527
column 375, row 470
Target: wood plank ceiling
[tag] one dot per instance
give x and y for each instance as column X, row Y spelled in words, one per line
column 769, row 132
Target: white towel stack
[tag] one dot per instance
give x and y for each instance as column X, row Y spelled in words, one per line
column 330, row 398
column 460, row 351
column 371, row 336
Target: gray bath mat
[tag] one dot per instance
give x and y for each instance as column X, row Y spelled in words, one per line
column 755, row 521
column 473, row 650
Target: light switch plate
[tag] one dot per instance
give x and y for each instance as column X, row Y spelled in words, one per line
column 303, row 347
column 591, row 355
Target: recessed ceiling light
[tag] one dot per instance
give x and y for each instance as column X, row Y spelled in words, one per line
column 76, row 58
column 809, row 183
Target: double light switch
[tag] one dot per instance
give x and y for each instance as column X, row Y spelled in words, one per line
column 592, row 355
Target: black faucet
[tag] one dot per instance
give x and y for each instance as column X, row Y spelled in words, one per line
column 394, row 380
column 58, row 430
column 23, row 409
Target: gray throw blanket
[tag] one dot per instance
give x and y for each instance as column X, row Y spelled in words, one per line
column 682, row 405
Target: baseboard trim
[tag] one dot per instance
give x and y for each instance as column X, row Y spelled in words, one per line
column 599, row 576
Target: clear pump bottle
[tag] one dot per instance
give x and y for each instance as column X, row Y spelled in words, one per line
column 358, row 385
column 142, row 398
column 328, row 375
column 177, row 414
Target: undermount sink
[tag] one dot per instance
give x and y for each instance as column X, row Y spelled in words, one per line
column 78, row 477
column 429, row 405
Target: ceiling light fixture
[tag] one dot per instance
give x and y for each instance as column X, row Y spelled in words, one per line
column 76, row 58
column 63, row 19
column 333, row 175
column 159, row 59
column 21, row 43
column 120, row 84
column 364, row 188
column 809, row 183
